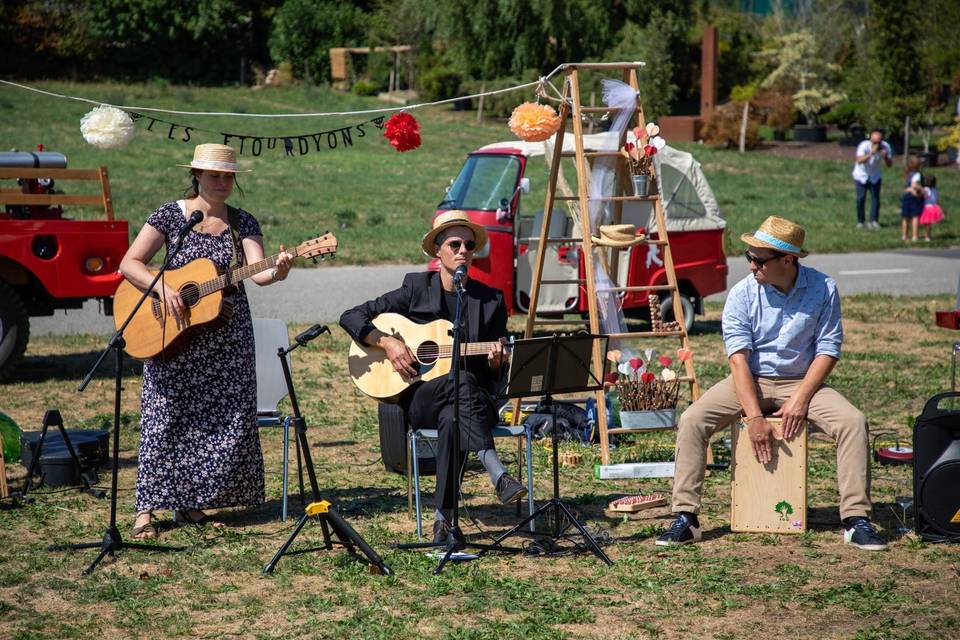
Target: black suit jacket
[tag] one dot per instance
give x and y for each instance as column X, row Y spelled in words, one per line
column 419, row 299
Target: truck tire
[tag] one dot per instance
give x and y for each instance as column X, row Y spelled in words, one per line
column 666, row 310
column 14, row 330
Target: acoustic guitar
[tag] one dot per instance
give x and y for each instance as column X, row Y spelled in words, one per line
column 201, row 286
column 431, row 344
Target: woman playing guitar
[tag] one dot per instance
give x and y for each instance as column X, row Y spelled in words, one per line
column 426, row 297
column 199, row 447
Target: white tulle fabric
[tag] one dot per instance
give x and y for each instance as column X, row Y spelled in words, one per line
column 622, row 97
column 107, row 127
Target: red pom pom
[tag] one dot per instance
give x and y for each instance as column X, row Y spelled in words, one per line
column 403, row 131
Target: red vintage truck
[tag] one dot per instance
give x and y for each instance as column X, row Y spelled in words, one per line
column 49, row 261
column 490, row 185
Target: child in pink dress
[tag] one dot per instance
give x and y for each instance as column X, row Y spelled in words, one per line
column 932, row 212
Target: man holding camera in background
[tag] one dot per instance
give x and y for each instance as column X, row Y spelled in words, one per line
column 868, row 176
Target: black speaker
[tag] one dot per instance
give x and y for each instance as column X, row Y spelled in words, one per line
column 936, row 471
column 393, row 443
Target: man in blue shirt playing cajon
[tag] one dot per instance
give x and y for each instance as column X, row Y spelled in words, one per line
column 782, row 333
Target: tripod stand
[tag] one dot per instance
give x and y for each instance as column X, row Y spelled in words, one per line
column 112, row 540
column 320, row 510
column 559, row 364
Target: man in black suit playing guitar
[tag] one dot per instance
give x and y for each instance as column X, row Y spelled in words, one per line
column 429, row 296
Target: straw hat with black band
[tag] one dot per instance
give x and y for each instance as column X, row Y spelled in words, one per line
column 449, row 219
column 215, row 157
column 778, row 234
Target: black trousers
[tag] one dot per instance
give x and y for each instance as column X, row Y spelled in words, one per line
column 431, row 406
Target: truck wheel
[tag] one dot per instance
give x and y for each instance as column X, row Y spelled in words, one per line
column 666, row 310
column 14, row 329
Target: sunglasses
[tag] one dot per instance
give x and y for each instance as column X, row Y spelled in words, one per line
column 456, row 244
column 761, row 261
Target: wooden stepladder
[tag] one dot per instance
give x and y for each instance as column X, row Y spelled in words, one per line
column 572, row 111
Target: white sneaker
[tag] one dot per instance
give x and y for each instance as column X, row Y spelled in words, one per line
column 874, row 224
column 859, row 225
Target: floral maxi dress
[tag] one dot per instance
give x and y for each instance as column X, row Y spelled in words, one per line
column 199, row 445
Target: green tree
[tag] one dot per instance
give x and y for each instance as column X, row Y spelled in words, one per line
column 798, row 69
column 210, row 41
column 651, row 44
column 305, row 31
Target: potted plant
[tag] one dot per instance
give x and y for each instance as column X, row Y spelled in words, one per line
column 647, row 390
column 800, row 70
column 640, row 157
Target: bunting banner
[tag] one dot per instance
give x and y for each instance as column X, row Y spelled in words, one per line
column 245, row 144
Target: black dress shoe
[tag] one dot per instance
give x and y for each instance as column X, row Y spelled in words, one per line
column 510, row 489
column 441, row 531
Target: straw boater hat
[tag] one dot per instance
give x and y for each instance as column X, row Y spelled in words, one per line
column 618, row 236
column 449, row 219
column 215, row 157
column 778, row 234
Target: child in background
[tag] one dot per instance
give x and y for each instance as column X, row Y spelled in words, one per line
column 932, row 212
column 911, row 203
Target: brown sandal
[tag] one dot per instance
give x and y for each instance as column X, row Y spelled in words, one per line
column 145, row 531
column 183, row 517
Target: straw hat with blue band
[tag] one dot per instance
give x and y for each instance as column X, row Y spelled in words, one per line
column 778, row 234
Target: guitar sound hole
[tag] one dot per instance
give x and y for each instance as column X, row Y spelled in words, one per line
column 190, row 293
column 428, row 353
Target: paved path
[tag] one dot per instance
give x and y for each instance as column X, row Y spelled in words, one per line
column 321, row 294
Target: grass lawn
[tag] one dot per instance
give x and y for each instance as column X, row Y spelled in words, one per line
column 369, row 193
column 729, row 586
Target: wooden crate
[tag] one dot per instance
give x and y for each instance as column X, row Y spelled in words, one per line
column 772, row 497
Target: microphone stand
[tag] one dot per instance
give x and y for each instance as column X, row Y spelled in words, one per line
column 456, row 542
column 112, row 540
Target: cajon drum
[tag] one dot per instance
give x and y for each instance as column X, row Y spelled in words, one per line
column 772, row 497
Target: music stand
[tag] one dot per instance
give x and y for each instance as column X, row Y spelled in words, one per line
column 557, row 364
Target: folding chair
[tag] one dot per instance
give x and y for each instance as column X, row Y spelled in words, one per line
column 414, row 436
column 270, row 334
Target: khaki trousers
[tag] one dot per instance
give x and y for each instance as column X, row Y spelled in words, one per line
column 829, row 413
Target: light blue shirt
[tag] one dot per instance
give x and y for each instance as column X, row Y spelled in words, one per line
column 784, row 332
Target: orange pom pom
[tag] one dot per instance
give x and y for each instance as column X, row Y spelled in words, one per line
column 532, row 122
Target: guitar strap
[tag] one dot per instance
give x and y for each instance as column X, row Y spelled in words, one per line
column 236, row 251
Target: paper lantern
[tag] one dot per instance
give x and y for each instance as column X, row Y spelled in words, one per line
column 533, row 122
column 107, row 127
column 403, row 131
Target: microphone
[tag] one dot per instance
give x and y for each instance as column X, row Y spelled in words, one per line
column 311, row 333
column 193, row 221
column 458, row 275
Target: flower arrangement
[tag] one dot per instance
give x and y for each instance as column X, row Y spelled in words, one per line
column 639, row 387
column 640, row 155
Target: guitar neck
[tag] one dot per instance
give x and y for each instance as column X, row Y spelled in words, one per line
column 242, row 272
column 467, row 349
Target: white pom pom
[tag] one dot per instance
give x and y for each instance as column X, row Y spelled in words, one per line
column 107, row 127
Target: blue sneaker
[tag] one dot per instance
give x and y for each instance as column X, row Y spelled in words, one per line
column 684, row 530
column 860, row 533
